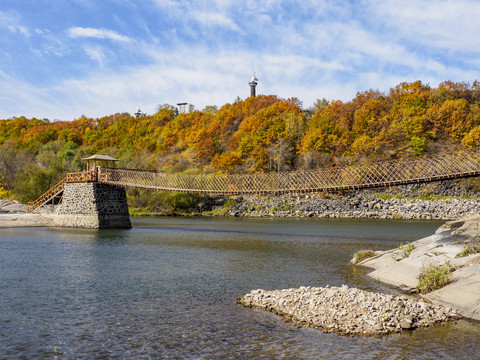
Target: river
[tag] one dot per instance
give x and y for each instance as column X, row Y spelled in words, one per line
column 166, row 289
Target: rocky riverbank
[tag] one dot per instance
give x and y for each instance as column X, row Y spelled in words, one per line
column 442, row 200
column 351, row 206
column 456, row 243
column 12, row 207
column 13, row 214
column 349, row 311
column 25, row 220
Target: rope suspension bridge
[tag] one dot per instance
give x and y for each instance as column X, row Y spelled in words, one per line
column 388, row 173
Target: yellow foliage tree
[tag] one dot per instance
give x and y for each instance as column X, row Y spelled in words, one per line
column 472, row 139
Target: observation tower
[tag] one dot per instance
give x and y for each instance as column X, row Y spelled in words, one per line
column 253, row 83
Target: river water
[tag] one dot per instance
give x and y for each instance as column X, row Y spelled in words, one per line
column 166, row 289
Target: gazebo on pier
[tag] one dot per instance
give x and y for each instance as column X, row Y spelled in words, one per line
column 107, row 161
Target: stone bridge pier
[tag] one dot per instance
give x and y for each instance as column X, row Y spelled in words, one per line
column 92, row 205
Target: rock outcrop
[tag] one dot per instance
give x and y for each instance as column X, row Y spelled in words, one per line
column 446, row 245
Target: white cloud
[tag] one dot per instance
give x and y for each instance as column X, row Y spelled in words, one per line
column 450, row 25
column 76, row 32
column 42, row 103
column 11, row 21
column 215, row 19
column 95, row 53
column 309, row 50
column 19, row 29
column 195, row 76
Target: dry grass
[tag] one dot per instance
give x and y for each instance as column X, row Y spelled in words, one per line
column 361, row 255
column 434, row 277
column 470, row 247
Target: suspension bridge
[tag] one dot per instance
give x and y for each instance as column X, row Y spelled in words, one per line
column 379, row 174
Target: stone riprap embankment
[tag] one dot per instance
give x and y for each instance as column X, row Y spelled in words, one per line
column 349, row 311
column 444, row 200
column 352, row 206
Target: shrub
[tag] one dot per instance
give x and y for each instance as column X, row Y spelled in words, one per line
column 470, row 247
column 434, row 277
column 284, row 206
column 383, row 196
column 4, row 194
column 229, row 203
column 169, row 203
column 225, row 209
column 407, row 249
column 425, row 197
column 182, row 202
column 361, row 255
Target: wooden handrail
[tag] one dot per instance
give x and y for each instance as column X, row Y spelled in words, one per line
column 31, row 206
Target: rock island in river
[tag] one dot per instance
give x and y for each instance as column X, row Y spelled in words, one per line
column 349, row 311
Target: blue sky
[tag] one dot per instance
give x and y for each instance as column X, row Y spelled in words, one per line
column 60, row 59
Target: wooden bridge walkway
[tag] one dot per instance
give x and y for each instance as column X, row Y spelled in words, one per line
column 389, row 173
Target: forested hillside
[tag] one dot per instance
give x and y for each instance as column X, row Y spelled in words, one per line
column 264, row 133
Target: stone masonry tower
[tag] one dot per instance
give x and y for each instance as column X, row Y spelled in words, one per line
column 81, row 200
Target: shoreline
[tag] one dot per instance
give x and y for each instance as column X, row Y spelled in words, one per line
column 370, row 206
column 17, row 220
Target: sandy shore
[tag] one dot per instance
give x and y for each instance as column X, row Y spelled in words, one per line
column 463, row 293
column 24, row 220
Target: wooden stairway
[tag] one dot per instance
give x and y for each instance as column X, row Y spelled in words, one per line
column 56, row 191
column 50, row 196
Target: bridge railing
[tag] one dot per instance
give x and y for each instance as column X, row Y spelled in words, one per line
column 421, row 169
column 83, row 176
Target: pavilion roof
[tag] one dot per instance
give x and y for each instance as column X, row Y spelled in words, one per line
column 101, row 158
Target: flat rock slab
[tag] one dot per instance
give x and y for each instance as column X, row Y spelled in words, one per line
column 349, row 311
column 12, row 206
column 463, row 291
